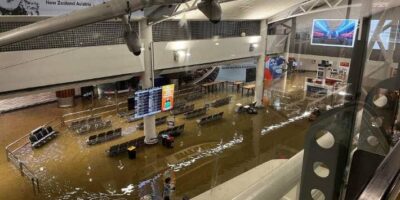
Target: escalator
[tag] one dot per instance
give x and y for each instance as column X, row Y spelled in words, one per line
column 209, row 75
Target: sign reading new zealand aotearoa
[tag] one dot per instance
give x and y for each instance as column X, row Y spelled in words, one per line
column 44, row 7
column 47, row 7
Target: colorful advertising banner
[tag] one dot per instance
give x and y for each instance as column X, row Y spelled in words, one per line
column 273, row 67
column 167, row 102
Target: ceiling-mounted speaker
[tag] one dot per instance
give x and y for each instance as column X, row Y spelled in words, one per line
column 211, row 9
column 132, row 41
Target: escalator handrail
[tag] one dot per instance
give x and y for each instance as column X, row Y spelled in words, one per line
column 384, row 176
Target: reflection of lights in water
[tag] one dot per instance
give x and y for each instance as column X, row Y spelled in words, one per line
column 282, row 124
column 306, row 114
column 120, row 166
column 128, row 190
column 207, row 153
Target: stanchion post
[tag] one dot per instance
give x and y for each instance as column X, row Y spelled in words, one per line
column 33, row 186
column 20, row 168
column 8, row 159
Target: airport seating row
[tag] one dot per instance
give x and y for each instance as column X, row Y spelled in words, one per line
column 184, row 109
column 41, row 136
column 159, row 121
column 221, row 102
column 196, row 88
column 179, row 103
column 123, row 147
column 195, row 113
column 139, row 142
column 78, row 124
column 94, row 127
column 194, row 96
column 174, row 132
column 210, row 118
column 105, row 136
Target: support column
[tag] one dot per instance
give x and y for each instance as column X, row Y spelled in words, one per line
column 259, row 91
column 146, row 37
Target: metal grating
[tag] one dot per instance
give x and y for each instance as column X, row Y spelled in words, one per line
column 102, row 33
column 194, row 30
column 111, row 33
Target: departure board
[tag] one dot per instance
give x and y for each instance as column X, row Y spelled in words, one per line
column 148, row 102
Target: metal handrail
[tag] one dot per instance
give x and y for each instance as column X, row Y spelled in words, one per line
column 92, row 112
column 11, row 149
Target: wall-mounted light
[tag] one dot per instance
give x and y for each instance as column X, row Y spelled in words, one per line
column 253, row 46
column 180, row 54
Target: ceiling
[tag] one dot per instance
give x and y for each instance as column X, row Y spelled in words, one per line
column 245, row 9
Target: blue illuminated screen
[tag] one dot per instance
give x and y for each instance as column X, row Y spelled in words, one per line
column 334, row 32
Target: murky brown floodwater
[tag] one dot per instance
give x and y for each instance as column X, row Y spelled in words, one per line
column 202, row 158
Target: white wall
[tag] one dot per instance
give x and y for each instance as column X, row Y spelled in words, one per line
column 204, row 51
column 37, row 68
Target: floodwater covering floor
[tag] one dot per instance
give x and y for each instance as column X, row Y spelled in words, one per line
column 203, row 157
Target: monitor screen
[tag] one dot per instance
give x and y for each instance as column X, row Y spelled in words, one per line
column 131, row 103
column 147, row 102
column 334, row 32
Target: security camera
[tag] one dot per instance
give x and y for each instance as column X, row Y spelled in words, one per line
column 132, row 41
column 211, row 9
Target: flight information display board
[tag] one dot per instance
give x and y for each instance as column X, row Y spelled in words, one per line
column 148, row 102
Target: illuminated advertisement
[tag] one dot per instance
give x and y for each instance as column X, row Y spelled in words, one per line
column 273, row 67
column 167, row 102
column 334, row 32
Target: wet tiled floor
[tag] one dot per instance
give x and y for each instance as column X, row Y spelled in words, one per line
column 203, row 157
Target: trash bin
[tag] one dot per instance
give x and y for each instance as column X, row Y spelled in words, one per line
column 169, row 142
column 132, row 152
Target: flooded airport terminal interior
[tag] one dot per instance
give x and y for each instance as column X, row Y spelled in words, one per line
column 200, row 99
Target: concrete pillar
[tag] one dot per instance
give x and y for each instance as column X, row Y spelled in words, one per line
column 146, row 38
column 259, row 91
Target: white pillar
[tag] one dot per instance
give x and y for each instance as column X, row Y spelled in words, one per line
column 146, row 37
column 259, row 91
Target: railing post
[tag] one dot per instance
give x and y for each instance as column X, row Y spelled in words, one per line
column 33, row 186
column 8, row 159
column 20, row 168
column 37, row 185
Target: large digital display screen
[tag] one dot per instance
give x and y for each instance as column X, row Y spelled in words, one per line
column 334, row 32
column 154, row 100
column 167, row 102
column 148, row 102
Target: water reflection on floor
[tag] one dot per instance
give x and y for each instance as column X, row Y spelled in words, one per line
column 202, row 157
